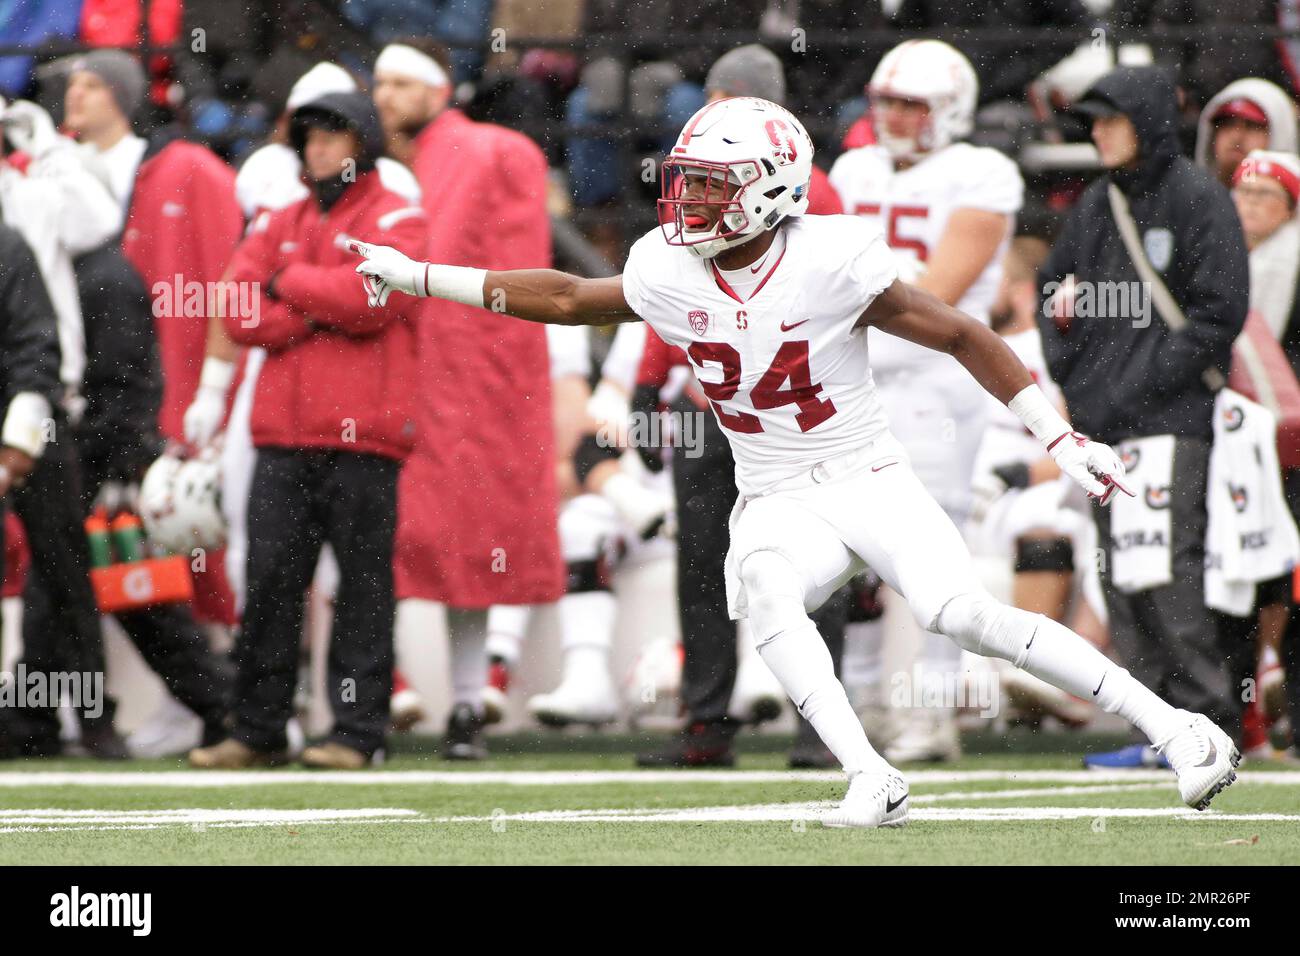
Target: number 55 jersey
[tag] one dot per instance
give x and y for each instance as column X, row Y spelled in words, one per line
column 774, row 344
column 912, row 208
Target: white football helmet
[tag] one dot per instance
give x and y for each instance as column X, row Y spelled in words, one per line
column 180, row 504
column 933, row 73
column 753, row 148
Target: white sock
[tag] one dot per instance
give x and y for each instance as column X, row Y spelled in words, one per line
column 587, row 618
column 467, row 630
column 792, row 648
column 1052, row 652
column 506, row 626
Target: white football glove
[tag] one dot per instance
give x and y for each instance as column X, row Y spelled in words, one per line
column 204, row 416
column 30, row 129
column 647, row 511
column 1094, row 466
column 386, row 269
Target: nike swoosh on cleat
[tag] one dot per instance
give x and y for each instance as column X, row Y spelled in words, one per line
column 1098, row 690
column 892, row 805
column 1212, row 756
column 787, row 328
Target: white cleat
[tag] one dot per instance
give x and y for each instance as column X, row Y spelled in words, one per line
column 570, row 704
column 876, row 799
column 1204, row 757
column 171, row 729
column 405, row 710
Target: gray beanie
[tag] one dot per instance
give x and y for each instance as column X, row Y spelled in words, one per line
column 751, row 70
column 120, row 71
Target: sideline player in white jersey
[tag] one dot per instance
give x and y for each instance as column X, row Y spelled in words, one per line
column 771, row 307
column 947, row 210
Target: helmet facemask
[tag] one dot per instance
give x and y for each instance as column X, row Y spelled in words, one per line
column 685, row 219
column 909, row 148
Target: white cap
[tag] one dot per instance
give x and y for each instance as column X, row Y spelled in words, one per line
column 321, row 79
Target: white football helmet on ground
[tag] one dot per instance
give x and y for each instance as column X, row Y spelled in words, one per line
column 757, row 147
column 180, row 503
column 933, row 73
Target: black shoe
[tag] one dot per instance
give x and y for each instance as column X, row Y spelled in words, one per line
column 812, row 755
column 464, row 740
column 808, row 752
column 104, row 743
column 700, row 744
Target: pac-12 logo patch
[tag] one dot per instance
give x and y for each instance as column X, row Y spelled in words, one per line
column 1159, row 246
column 699, row 320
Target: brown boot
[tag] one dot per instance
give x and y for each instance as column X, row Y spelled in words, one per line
column 231, row 754
column 332, row 755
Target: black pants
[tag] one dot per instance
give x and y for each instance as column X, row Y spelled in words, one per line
column 705, row 491
column 1189, row 655
column 299, row 500
column 61, row 621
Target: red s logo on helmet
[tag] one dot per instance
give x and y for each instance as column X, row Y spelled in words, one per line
column 784, row 150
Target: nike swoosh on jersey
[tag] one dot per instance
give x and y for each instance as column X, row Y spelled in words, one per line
column 884, row 466
column 787, row 328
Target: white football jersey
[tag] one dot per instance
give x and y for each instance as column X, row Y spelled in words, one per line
column 912, row 207
column 782, row 365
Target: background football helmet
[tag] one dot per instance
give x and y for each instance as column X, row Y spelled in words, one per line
column 933, row 73
column 180, row 503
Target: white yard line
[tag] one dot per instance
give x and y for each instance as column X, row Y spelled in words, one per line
column 550, row 778
column 812, row 812
column 52, row 820
column 1066, row 791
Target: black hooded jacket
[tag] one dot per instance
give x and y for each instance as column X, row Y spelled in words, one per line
column 1127, row 375
column 118, row 437
column 29, row 339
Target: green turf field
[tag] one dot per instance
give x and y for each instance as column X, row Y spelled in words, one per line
column 561, row 800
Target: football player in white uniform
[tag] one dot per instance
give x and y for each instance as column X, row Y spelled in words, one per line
column 947, row 209
column 772, row 308
column 600, row 537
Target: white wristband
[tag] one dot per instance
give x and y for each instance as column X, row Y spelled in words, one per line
column 1039, row 415
column 217, row 373
column 456, row 283
column 26, row 423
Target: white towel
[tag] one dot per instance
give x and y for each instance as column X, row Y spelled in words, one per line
column 1141, row 529
column 1251, row 536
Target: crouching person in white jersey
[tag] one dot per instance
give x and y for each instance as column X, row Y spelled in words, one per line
column 947, row 210
column 772, row 308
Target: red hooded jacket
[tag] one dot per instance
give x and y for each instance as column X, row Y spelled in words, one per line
column 477, row 503
column 183, row 221
column 338, row 374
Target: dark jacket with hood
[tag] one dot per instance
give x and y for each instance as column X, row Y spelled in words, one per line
column 29, row 341
column 118, row 437
column 1128, row 375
